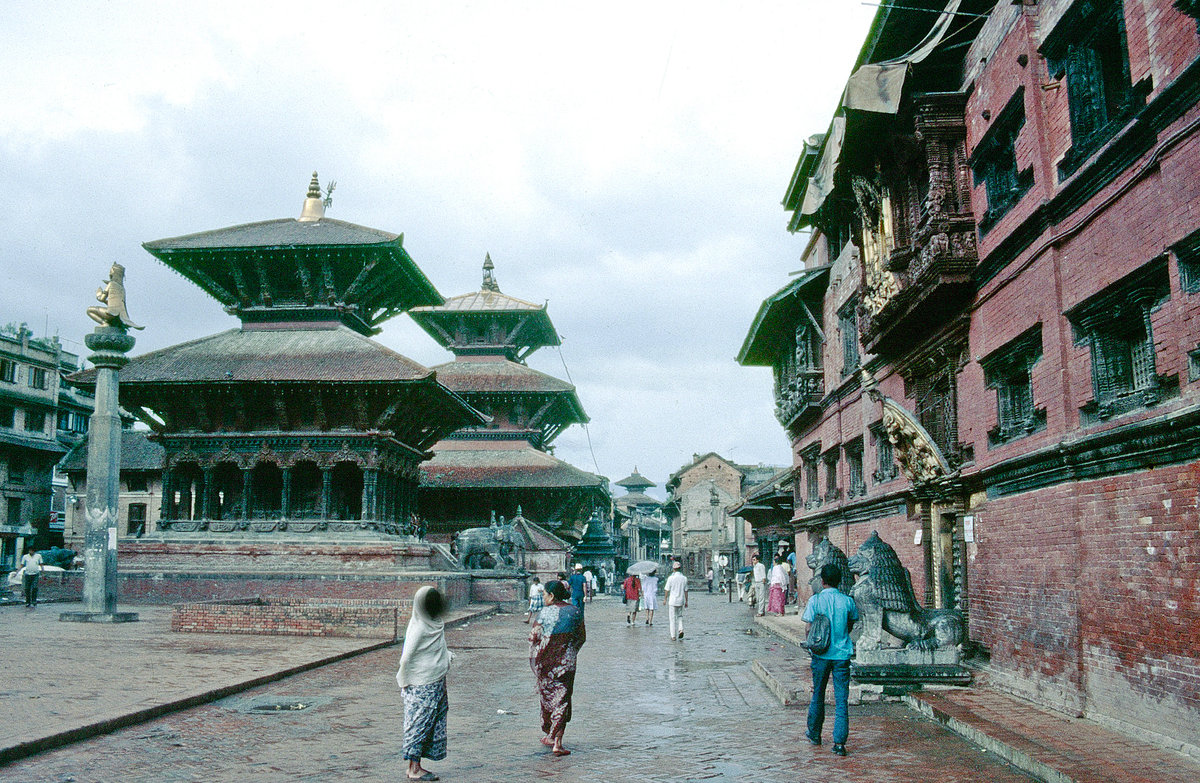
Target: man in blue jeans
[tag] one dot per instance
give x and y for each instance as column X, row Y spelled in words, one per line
column 842, row 613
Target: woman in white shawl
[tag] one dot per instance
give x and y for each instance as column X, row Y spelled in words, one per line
column 422, row 680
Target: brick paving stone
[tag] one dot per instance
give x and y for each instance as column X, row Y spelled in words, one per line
column 646, row 709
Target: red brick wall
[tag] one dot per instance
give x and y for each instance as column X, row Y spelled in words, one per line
column 1088, row 595
column 174, row 588
column 358, row 619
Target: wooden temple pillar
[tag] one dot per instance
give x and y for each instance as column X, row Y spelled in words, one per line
column 247, row 485
column 370, row 510
column 326, row 491
column 285, row 494
column 206, row 493
column 168, row 493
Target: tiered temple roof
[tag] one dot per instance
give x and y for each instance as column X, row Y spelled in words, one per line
column 503, row 463
column 296, row 421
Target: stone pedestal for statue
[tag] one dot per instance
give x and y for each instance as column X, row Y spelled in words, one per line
column 904, row 666
column 110, row 344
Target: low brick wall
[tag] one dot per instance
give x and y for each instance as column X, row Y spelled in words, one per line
column 173, row 587
column 357, row 619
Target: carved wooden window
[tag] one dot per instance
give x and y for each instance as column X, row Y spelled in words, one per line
column 810, row 458
column 8, row 371
column 995, row 162
column 1089, row 50
column 936, row 396
column 885, row 455
column 848, row 326
column 1008, row 371
column 1187, row 253
column 1116, row 326
column 831, row 475
column 854, row 465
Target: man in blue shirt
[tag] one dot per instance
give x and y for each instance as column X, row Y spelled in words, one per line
column 576, row 584
column 842, row 613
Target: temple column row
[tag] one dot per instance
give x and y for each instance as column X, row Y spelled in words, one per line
column 386, row 495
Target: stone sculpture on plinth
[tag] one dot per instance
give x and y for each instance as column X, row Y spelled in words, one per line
column 109, row 342
column 931, row 638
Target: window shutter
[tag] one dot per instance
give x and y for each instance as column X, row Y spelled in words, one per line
column 1085, row 92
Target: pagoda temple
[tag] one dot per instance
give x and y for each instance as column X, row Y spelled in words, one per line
column 503, row 464
column 296, row 425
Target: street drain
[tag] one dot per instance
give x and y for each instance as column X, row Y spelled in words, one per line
column 290, row 706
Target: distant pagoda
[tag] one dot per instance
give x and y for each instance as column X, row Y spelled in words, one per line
column 296, row 422
column 503, row 464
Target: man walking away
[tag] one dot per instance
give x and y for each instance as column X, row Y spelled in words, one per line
column 577, row 584
column 677, row 601
column 710, row 580
column 842, row 613
column 760, row 585
column 633, row 591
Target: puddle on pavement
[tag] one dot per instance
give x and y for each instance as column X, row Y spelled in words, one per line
column 278, row 706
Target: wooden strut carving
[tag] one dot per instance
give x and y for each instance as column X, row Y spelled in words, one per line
column 916, row 452
column 875, row 211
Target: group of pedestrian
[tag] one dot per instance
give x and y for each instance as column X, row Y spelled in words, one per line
column 558, row 634
column 640, row 591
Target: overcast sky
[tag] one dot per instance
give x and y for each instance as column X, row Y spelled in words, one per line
column 623, row 161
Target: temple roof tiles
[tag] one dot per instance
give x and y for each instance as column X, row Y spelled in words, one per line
column 502, row 468
column 481, row 302
column 282, row 232
column 137, row 453
column 332, row 354
column 498, row 376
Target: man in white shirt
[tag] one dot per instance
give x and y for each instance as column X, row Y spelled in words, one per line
column 31, row 569
column 677, row 600
column 760, row 585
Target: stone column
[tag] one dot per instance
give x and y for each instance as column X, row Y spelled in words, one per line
column 110, row 344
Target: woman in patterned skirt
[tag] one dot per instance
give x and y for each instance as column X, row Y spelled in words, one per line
column 424, row 662
column 554, row 643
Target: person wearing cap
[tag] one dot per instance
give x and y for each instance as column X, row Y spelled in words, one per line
column 576, row 582
column 677, row 600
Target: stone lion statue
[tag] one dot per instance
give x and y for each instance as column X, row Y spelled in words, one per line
column 886, row 602
column 827, row 552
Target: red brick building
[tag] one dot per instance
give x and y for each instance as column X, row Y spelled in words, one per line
column 992, row 356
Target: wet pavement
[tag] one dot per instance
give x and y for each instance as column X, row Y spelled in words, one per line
column 646, row 709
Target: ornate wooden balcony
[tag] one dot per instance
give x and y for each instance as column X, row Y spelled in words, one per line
column 799, row 397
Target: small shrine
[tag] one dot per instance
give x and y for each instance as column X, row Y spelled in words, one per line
column 504, row 463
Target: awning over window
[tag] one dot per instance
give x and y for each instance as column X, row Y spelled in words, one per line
column 875, row 87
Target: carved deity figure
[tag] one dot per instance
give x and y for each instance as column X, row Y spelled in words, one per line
column 111, row 294
column 875, row 212
column 886, row 602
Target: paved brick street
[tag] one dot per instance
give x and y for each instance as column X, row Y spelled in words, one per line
column 647, row 709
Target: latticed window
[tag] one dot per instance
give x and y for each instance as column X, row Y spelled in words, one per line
column 854, row 466
column 831, row 477
column 37, row 378
column 8, row 371
column 937, row 407
column 1188, row 254
column 885, row 455
column 1116, row 326
column 848, row 326
column 995, row 162
column 1088, row 49
column 812, row 488
column 1008, row 371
